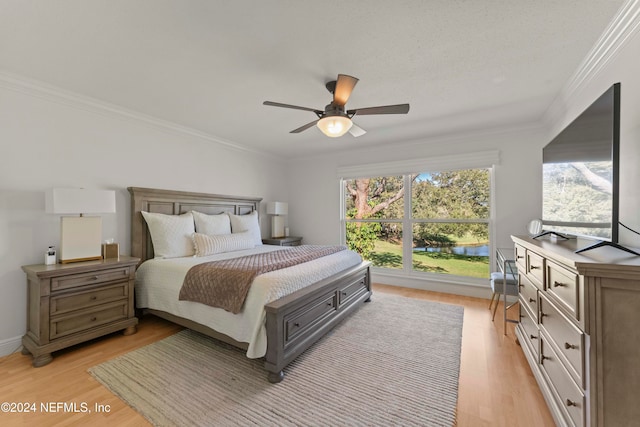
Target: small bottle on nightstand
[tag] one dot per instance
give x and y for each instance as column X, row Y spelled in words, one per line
column 50, row 256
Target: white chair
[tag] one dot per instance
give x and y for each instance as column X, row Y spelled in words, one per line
column 497, row 283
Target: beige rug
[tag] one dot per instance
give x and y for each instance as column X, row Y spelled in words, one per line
column 395, row 362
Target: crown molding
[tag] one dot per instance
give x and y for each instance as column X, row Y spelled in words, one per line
column 624, row 26
column 58, row 95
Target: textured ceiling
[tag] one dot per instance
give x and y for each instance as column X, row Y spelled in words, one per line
column 209, row 65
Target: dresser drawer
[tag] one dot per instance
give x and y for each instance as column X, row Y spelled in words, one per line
column 310, row 314
column 86, row 319
column 568, row 339
column 530, row 328
column 568, row 395
column 529, row 296
column 521, row 258
column 351, row 291
column 84, row 279
column 564, row 285
column 535, row 269
column 79, row 300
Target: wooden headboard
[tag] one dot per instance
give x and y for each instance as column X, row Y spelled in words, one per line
column 171, row 202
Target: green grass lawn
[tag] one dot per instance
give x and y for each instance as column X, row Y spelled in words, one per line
column 389, row 255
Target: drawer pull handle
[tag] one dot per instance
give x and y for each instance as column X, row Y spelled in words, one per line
column 94, row 278
column 533, row 337
column 519, row 256
column 542, row 314
column 558, row 285
column 543, row 358
column 93, row 297
column 296, row 324
column 534, row 267
column 329, row 304
column 93, row 319
column 570, row 346
column 532, row 300
column 571, row 403
column 344, row 294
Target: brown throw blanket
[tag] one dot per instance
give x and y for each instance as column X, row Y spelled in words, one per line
column 225, row 283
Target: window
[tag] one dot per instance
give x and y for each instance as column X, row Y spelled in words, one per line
column 441, row 227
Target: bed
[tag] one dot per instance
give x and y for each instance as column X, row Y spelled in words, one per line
column 285, row 311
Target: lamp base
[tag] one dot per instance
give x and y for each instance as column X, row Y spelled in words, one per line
column 277, row 226
column 68, row 261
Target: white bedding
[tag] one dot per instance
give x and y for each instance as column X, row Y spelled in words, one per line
column 158, row 283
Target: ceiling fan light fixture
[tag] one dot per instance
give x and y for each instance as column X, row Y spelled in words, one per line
column 334, row 126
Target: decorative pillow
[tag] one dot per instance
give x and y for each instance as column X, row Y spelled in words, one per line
column 212, row 224
column 170, row 234
column 209, row 245
column 249, row 222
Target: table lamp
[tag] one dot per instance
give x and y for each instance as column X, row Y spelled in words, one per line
column 278, row 210
column 80, row 236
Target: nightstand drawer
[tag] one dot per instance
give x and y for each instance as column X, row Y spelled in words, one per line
column 79, row 300
column 87, row 319
column 84, row 279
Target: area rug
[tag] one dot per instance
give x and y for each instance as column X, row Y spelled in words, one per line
column 395, row 362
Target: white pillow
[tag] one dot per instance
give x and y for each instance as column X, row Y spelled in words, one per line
column 212, row 224
column 249, row 222
column 170, row 234
column 209, row 245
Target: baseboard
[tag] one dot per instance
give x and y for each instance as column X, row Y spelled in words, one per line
column 10, row 345
column 447, row 287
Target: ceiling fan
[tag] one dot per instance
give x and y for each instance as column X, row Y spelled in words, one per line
column 335, row 121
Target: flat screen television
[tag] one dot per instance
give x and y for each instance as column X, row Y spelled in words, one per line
column 581, row 173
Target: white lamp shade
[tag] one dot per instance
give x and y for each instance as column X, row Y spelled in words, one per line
column 79, row 201
column 334, row 126
column 277, row 208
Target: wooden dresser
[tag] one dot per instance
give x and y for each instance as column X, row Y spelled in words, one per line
column 580, row 329
column 71, row 303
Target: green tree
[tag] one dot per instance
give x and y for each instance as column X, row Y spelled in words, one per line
column 369, row 198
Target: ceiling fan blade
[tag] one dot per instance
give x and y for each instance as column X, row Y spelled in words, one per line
column 344, row 86
column 305, row 127
column 295, row 107
column 356, row 130
column 386, row 109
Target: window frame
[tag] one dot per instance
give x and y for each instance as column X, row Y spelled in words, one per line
column 484, row 160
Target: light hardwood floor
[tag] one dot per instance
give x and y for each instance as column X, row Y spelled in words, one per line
column 496, row 385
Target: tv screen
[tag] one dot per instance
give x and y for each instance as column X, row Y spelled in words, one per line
column 580, row 173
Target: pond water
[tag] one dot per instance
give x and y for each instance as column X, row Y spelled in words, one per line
column 470, row 250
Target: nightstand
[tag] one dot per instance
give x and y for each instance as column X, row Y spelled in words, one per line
column 71, row 303
column 283, row 241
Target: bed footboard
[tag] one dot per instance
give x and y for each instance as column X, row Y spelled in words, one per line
column 300, row 319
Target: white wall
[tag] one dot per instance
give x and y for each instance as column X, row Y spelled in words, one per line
column 51, row 142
